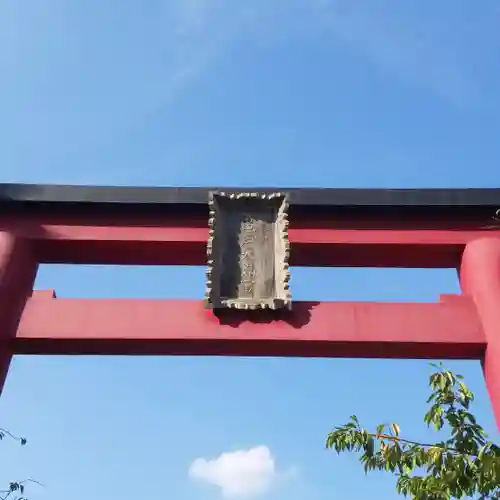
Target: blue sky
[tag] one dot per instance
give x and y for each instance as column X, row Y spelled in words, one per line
column 217, row 92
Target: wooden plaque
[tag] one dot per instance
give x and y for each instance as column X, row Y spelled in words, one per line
column 248, row 251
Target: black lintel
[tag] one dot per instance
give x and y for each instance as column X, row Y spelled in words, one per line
column 65, row 199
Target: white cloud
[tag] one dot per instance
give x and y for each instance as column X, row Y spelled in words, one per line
column 240, row 474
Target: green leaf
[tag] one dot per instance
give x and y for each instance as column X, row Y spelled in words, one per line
column 464, row 464
column 369, row 448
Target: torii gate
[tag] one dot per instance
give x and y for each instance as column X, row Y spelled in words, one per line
column 423, row 228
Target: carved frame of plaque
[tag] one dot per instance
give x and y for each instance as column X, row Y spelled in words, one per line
column 251, row 277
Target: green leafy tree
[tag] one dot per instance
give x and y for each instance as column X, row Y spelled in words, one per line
column 16, row 489
column 464, row 465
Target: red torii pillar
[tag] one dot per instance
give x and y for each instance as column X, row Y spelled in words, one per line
column 328, row 227
column 480, row 279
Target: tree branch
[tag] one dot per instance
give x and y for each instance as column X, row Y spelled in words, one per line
column 416, row 443
column 17, row 486
column 16, row 438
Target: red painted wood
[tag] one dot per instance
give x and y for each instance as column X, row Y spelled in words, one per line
column 449, row 329
column 480, row 279
column 17, row 275
column 111, row 241
column 456, row 327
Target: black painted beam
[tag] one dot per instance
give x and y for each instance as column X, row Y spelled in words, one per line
column 194, row 200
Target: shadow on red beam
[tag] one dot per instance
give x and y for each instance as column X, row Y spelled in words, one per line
column 449, row 329
column 325, row 247
column 303, row 254
column 177, row 245
column 343, row 220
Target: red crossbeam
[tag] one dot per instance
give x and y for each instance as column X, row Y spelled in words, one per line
column 448, row 329
column 163, row 241
column 458, row 327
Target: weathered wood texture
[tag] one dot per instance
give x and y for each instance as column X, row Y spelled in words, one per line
column 248, row 251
